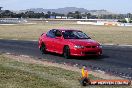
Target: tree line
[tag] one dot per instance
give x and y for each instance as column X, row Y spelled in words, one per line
column 32, row 14
column 70, row 15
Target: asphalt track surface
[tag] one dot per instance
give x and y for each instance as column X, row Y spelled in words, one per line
column 116, row 60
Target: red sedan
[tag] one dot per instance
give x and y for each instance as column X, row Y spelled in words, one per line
column 69, row 43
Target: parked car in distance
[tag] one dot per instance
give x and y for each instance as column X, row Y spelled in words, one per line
column 69, row 42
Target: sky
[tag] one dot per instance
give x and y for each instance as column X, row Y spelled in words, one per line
column 117, row 6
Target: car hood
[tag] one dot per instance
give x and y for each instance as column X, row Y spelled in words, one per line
column 83, row 42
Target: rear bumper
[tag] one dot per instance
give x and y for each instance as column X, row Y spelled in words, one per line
column 86, row 52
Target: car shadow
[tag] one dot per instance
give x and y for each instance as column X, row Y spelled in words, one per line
column 55, row 54
column 82, row 58
column 91, row 57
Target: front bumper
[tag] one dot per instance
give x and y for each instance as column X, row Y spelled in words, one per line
column 86, row 52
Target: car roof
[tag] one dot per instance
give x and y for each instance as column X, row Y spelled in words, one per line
column 68, row 29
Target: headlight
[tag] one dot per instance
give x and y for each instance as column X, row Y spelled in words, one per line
column 78, row 47
column 99, row 46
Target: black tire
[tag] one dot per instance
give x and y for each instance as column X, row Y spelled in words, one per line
column 66, row 52
column 43, row 49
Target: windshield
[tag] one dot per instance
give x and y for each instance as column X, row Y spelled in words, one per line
column 74, row 35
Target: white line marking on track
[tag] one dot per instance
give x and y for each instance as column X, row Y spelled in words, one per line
column 25, row 56
column 14, row 39
column 8, row 53
column 34, row 40
column 100, row 71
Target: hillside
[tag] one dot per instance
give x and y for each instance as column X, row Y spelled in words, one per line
column 67, row 9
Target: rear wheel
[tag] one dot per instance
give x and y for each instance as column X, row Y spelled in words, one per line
column 66, row 52
column 43, row 49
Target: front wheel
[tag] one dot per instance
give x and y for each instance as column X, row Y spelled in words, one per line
column 66, row 52
column 43, row 49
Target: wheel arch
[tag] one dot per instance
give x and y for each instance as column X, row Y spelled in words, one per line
column 42, row 43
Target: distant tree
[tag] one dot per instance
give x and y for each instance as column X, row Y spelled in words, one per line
column 42, row 15
column 128, row 15
column 88, row 15
column 30, row 14
column 77, row 15
column 70, row 14
column 53, row 14
column 7, row 14
column 47, row 16
column 84, row 15
column 93, row 17
column 18, row 15
column 23, row 15
column 49, row 13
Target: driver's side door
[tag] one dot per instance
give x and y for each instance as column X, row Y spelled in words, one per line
column 50, row 40
column 58, row 42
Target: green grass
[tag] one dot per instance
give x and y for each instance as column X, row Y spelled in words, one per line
column 102, row 34
column 14, row 74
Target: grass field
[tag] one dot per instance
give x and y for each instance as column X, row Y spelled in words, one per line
column 103, row 34
column 14, row 74
column 20, row 74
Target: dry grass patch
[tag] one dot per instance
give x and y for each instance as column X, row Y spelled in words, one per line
column 103, row 34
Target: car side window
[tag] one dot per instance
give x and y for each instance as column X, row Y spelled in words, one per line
column 58, row 33
column 51, row 34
